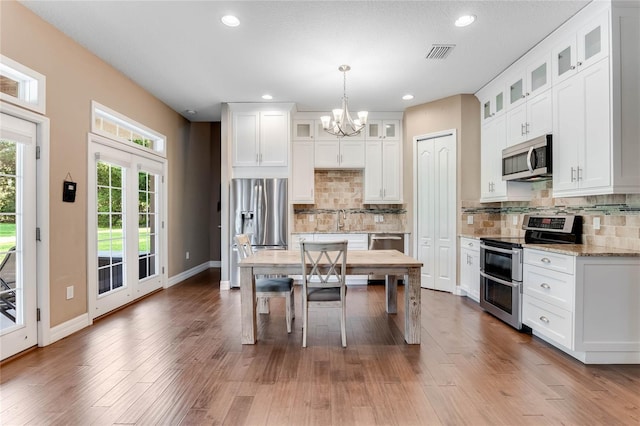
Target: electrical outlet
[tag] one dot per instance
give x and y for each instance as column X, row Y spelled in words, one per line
column 70, row 292
column 515, row 219
column 186, row 255
column 470, row 219
column 381, row 218
column 596, row 223
column 312, row 217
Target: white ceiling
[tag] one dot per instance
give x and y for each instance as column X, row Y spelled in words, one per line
column 180, row 51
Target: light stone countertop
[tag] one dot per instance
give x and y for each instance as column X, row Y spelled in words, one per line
column 350, row 232
column 572, row 249
column 584, row 250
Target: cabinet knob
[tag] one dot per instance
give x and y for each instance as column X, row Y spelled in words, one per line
column 527, row 94
column 579, row 63
column 573, row 67
column 545, row 286
column 544, row 319
column 545, row 260
column 470, row 244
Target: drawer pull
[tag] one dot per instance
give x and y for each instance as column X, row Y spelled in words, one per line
column 544, row 319
column 470, row 244
column 545, row 286
column 545, row 260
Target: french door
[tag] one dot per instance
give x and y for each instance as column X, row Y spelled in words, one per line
column 18, row 326
column 125, row 223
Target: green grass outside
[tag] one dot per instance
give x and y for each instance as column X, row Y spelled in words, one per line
column 8, row 238
column 113, row 240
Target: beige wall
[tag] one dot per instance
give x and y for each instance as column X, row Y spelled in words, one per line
column 460, row 112
column 216, row 195
column 74, row 78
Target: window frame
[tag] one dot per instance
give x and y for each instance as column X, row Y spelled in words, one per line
column 32, row 85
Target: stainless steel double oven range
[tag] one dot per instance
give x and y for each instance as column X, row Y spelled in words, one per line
column 501, row 261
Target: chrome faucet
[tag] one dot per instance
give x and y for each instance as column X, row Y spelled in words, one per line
column 344, row 218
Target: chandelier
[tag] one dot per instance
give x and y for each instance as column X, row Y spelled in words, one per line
column 342, row 123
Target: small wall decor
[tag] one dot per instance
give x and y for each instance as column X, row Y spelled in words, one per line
column 69, row 189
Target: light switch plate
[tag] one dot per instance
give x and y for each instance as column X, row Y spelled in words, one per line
column 70, row 292
column 312, row 217
column 470, row 219
column 515, row 219
column 596, row 223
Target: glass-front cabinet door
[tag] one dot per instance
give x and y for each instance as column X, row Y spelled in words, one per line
column 538, row 76
column 580, row 50
column 516, row 91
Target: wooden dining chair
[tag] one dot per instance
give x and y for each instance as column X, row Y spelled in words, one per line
column 323, row 280
column 267, row 287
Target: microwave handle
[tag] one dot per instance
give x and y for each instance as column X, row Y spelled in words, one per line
column 529, row 155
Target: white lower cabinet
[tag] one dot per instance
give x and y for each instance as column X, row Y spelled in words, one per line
column 354, row 242
column 470, row 267
column 587, row 306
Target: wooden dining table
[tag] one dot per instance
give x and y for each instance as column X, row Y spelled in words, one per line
column 391, row 263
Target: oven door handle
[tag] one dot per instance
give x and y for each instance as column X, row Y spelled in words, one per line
column 498, row 280
column 499, row 250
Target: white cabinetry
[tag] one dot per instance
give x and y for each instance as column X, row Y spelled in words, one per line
column 260, row 138
column 339, row 153
column 529, row 101
column 493, row 105
column 580, row 49
column 492, row 187
column 587, row 306
column 470, row 267
column 383, row 129
column 383, row 171
column 302, row 172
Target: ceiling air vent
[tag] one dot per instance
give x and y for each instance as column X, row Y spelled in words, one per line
column 440, row 51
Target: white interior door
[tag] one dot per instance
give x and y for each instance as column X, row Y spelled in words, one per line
column 18, row 326
column 436, row 211
column 125, row 218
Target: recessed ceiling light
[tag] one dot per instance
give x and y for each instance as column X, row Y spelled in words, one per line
column 407, row 97
column 267, row 97
column 191, row 111
column 465, row 20
column 230, row 21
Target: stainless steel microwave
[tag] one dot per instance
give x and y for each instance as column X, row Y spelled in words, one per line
column 528, row 161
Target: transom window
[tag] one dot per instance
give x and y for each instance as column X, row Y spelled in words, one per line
column 21, row 85
column 114, row 125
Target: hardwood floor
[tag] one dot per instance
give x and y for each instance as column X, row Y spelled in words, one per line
column 176, row 358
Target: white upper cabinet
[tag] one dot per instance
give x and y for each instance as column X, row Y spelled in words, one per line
column 493, row 105
column 339, row 153
column 580, row 49
column 383, row 172
column 302, row 172
column 529, row 101
column 304, row 130
column 383, row 129
column 260, row 138
column 581, row 148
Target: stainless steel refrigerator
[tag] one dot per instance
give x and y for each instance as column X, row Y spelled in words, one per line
column 258, row 208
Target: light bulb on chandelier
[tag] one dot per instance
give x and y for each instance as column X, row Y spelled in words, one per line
column 342, row 124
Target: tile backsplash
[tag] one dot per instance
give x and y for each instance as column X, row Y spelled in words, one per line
column 619, row 216
column 339, row 195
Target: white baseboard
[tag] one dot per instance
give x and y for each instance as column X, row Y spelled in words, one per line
column 187, row 274
column 215, row 264
column 68, row 328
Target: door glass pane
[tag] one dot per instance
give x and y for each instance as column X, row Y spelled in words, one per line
column 592, row 43
column 499, row 102
column 10, row 284
column 487, row 110
column 390, row 130
column 147, row 225
column 539, row 77
column 374, row 130
column 516, row 91
column 564, row 61
column 111, row 238
column 303, row 130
